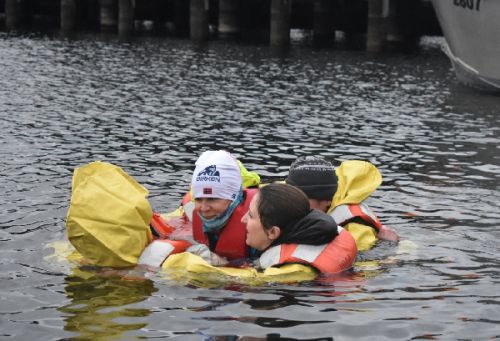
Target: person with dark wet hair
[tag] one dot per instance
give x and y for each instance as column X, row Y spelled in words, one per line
column 281, row 225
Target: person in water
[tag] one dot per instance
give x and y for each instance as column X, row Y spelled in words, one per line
column 220, row 203
column 210, row 225
column 281, row 225
column 341, row 193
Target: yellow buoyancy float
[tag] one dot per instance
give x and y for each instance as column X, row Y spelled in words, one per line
column 109, row 214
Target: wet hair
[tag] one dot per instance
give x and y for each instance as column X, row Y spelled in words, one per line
column 281, row 205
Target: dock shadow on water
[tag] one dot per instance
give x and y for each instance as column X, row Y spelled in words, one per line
column 151, row 106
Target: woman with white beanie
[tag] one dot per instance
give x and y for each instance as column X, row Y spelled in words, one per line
column 220, row 203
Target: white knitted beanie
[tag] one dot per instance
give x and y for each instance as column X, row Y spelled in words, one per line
column 217, row 175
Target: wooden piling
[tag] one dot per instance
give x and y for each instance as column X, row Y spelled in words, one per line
column 108, row 14
column 198, row 20
column 378, row 11
column 397, row 21
column 280, row 22
column 126, row 17
column 229, row 18
column 68, row 15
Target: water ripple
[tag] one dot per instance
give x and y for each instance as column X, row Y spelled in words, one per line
column 152, row 105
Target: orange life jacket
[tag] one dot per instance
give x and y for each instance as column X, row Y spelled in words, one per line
column 343, row 214
column 159, row 227
column 337, row 256
column 232, row 238
column 171, row 236
column 171, row 227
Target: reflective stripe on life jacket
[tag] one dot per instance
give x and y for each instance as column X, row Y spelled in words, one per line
column 343, row 214
column 336, row 256
column 158, row 250
column 232, row 238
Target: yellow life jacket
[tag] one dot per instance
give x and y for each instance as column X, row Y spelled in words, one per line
column 187, row 266
column 357, row 180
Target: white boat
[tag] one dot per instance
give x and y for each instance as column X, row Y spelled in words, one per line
column 472, row 32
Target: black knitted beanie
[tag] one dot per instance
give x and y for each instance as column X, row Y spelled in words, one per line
column 315, row 176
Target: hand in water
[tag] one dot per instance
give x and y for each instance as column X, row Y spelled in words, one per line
column 211, row 257
column 386, row 233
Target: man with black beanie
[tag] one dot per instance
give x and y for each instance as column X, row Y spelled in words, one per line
column 319, row 180
column 316, row 177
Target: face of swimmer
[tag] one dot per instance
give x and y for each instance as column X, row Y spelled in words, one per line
column 320, row 204
column 210, row 208
column 216, row 183
column 273, row 212
column 258, row 236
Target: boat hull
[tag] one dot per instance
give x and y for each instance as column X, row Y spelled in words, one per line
column 472, row 32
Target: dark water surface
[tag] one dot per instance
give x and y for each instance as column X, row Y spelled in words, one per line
column 153, row 105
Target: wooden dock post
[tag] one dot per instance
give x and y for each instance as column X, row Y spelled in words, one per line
column 378, row 11
column 14, row 15
column 126, row 17
column 198, row 20
column 229, row 18
column 323, row 28
column 108, row 14
column 68, row 15
column 280, row 22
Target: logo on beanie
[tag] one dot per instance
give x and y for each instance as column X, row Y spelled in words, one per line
column 210, row 174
